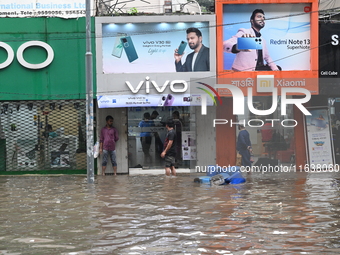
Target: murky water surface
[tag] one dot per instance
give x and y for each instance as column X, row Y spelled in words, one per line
column 269, row 214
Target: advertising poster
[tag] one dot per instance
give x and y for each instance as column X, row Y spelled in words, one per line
column 158, row 100
column 60, row 159
column 150, row 47
column 284, row 38
column 189, row 145
column 27, row 154
column 329, row 52
column 319, row 138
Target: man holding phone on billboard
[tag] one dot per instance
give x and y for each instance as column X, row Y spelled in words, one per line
column 251, row 58
column 198, row 60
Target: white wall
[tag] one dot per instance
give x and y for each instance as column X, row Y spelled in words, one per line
column 206, row 137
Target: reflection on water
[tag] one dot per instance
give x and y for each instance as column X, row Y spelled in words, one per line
column 269, row 214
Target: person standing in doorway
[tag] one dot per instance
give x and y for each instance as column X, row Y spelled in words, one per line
column 169, row 152
column 146, row 138
column 178, row 124
column 244, row 146
column 108, row 138
column 158, row 141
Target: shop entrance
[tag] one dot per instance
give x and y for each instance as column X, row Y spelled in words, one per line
column 270, row 139
column 147, row 132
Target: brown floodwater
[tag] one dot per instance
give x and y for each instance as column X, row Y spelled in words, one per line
column 273, row 213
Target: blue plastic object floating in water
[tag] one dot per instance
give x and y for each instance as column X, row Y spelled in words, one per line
column 231, row 174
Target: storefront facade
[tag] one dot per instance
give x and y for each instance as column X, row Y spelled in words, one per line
column 329, row 73
column 140, row 81
column 42, row 100
column 288, row 72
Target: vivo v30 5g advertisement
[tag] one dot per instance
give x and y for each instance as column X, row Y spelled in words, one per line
column 282, row 37
column 148, row 47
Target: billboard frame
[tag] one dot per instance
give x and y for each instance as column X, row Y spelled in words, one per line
column 114, row 83
column 224, row 75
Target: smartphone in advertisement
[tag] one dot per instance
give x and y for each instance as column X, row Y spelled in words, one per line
column 129, row 48
column 249, row 43
column 162, row 100
column 181, row 47
column 169, row 100
column 118, row 46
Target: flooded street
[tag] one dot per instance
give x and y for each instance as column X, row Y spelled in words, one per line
column 273, row 213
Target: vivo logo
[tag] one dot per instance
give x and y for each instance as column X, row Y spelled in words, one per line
column 179, row 83
column 238, row 100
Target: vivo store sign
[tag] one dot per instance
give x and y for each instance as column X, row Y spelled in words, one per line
column 180, row 83
column 20, row 54
column 265, row 84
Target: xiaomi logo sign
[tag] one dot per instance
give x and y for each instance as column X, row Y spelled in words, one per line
column 265, row 83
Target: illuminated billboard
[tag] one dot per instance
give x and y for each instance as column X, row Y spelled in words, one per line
column 150, row 47
column 153, row 54
column 283, row 37
column 265, row 38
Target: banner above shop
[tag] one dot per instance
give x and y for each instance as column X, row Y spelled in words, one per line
column 43, row 8
column 145, row 47
column 284, row 38
column 266, row 38
column 160, row 100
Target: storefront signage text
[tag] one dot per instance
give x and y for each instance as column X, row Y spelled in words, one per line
column 335, row 40
column 20, row 54
column 183, row 86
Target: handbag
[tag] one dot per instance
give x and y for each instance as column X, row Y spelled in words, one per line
column 238, row 159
